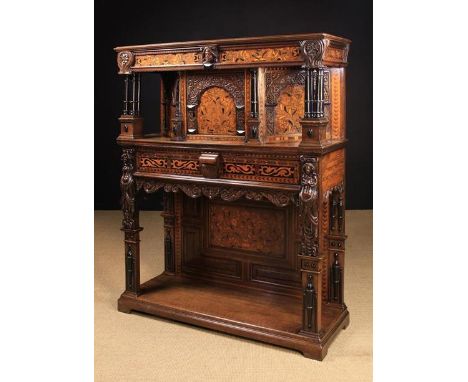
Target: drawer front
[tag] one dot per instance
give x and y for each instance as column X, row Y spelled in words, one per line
column 251, row 167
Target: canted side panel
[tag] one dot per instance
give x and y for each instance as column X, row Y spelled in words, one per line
column 332, row 170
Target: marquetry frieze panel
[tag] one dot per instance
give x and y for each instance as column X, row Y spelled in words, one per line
column 250, row 167
column 261, row 55
column 259, row 230
column 168, row 59
column 168, row 163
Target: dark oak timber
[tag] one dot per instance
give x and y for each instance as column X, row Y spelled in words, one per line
column 251, row 161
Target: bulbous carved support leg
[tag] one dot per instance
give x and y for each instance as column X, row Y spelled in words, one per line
column 130, row 222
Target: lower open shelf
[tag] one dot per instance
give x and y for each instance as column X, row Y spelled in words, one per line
column 262, row 316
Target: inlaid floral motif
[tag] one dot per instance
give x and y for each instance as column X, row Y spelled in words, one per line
column 216, row 113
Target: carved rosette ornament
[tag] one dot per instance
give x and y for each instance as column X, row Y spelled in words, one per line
column 312, row 51
column 209, row 55
column 125, row 60
column 308, row 206
column 128, row 189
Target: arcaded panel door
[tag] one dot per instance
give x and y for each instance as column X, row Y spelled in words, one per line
column 216, row 112
column 215, row 104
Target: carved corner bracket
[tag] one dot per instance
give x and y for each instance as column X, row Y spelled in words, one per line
column 313, row 51
column 278, row 198
column 125, row 60
column 308, row 206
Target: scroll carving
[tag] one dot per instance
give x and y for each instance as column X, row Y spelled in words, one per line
column 278, row 198
column 125, row 60
column 308, row 206
column 128, row 189
column 312, row 52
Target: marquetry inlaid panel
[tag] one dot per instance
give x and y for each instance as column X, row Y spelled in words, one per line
column 164, row 162
column 270, row 55
column 332, row 169
column 167, row 59
column 259, row 230
column 290, row 110
column 337, row 130
column 216, row 112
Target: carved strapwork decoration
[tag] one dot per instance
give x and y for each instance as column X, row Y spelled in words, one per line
column 177, row 131
column 130, row 223
column 308, row 206
column 169, row 221
column 125, row 60
column 209, row 55
column 128, row 189
column 229, row 194
column 216, row 104
column 336, row 281
column 310, row 306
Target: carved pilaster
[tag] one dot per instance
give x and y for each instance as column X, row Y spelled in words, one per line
column 169, row 220
column 130, row 222
column 177, row 131
column 308, row 206
column 311, row 269
column 336, row 280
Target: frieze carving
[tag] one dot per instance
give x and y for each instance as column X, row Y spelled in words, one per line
column 308, row 206
column 260, row 55
column 312, row 52
column 128, row 189
column 125, row 60
column 278, row 198
column 209, row 56
column 259, row 230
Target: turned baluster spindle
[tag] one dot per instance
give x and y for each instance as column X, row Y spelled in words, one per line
column 125, row 102
column 254, row 94
column 138, row 95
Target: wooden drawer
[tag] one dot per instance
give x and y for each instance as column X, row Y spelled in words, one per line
column 253, row 167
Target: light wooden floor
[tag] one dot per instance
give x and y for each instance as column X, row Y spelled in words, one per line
column 134, row 347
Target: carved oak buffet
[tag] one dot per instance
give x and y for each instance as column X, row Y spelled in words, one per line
column 251, row 161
